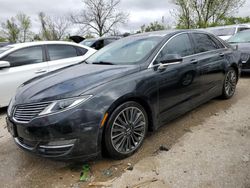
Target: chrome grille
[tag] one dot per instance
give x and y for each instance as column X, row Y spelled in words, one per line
column 25, row 113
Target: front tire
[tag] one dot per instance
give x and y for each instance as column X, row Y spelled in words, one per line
column 230, row 83
column 126, row 130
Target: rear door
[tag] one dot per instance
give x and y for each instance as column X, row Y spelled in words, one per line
column 60, row 56
column 210, row 65
column 25, row 64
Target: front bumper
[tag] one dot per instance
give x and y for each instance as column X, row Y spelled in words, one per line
column 72, row 134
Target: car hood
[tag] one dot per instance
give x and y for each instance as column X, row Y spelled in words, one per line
column 70, row 82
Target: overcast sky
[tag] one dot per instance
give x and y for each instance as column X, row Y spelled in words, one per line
column 140, row 11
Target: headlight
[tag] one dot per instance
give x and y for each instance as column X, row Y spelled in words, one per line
column 65, row 104
column 10, row 107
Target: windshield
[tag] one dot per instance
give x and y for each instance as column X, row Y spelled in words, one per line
column 88, row 42
column 223, row 31
column 4, row 49
column 240, row 37
column 126, row 51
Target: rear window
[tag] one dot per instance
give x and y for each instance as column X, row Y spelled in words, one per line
column 88, row 42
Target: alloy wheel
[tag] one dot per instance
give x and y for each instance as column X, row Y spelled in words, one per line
column 128, row 130
column 230, row 82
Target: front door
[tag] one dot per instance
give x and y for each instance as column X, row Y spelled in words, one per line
column 25, row 64
column 177, row 83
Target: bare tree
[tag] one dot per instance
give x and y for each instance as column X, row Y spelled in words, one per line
column 24, row 24
column 100, row 16
column 202, row 13
column 53, row 28
column 11, row 30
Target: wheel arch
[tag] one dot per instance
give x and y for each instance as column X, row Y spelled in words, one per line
column 141, row 100
column 129, row 97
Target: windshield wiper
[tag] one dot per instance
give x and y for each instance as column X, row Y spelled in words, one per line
column 103, row 63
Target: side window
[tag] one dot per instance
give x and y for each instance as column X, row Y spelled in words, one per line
column 81, row 51
column 25, row 56
column 57, row 52
column 218, row 42
column 204, row 43
column 180, row 45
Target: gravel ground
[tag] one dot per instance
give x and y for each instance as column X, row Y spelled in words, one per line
column 213, row 154
column 208, row 147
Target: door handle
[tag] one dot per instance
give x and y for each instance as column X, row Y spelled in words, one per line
column 194, row 61
column 40, row 71
column 221, row 54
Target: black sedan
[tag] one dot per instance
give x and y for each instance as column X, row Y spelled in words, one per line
column 126, row 89
column 242, row 41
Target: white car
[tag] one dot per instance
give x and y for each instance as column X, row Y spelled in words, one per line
column 226, row 32
column 21, row 62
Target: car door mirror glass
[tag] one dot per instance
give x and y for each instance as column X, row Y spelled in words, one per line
column 4, row 64
column 171, row 58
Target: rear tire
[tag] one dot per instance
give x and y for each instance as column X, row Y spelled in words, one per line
column 126, row 130
column 230, row 83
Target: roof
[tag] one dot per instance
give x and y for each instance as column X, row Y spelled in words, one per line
column 164, row 33
column 28, row 44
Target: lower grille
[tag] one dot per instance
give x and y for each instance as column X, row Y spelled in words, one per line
column 25, row 113
column 28, row 143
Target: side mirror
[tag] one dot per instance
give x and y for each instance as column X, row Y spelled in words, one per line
column 170, row 59
column 235, row 46
column 4, row 64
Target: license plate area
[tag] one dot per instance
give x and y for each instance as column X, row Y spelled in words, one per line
column 11, row 128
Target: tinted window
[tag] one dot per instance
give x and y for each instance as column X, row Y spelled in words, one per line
column 57, row 52
column 204, row 43
column 82, row 51
column 25, row 56
column 180, row 45
column 218, row 42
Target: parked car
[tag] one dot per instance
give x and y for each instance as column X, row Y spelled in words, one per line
column 96, row 43
column 21, row 62
column 2, row 44
column 242, row 42
column 136, row 84
column 226, row 32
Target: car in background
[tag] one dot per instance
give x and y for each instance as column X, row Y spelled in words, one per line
column 21, row 62
column 226, row 32
column 96, row 43
column 242, row 42
column 2, row 44
column 109, row 103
